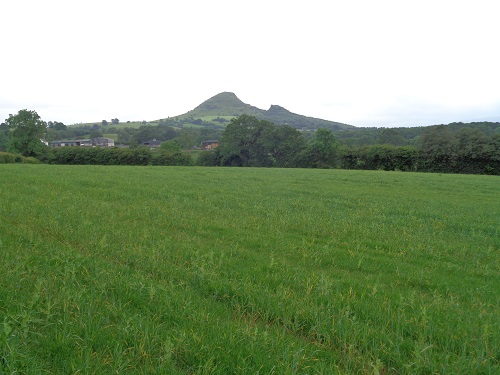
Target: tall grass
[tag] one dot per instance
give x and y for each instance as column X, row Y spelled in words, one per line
column 215, row 271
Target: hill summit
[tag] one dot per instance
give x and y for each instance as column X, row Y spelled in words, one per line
column 223, row 104
column 228, row 104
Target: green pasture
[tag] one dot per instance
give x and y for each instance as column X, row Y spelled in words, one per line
column 212, row 118
column 121, row 125
column 191, row 270
column 113, row 136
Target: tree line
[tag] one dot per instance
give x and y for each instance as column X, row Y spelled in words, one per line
column 117, row 156
column 250, row 142
column 186, row 137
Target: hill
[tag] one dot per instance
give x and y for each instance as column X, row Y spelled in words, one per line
column 226, row 105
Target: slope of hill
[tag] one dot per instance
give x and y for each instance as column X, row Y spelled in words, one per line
column 223, row 104
column 227, row 104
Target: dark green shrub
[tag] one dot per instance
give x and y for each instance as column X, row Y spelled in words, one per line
column 6, row 157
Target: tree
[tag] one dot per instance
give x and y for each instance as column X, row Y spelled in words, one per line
column 469, row 143
column 282, row 144
column 170, row 147
column 435, row 147
column 391, row 137
column 245, row 142
column 248, row 141
column 470, row 151
column 493, row 154
column 238, row 144
column 96, row 134
column 4, row 138
column 59, row 125
column 321, row 150
column 26, row 129
column 188, row 137
column 209, row 158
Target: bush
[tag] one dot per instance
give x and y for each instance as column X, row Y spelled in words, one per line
column 7, row 157
column 101, row 156
column 208, row 158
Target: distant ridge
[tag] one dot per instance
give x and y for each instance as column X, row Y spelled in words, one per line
column 228, row 104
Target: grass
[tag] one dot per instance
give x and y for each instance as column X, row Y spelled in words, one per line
column 241, row 271
column 121, row 125
column 212, row 118
column 113, row 136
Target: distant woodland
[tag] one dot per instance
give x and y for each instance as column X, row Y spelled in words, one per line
column 247, row 140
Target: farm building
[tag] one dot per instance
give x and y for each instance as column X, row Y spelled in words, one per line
column 94, row 142
column 153, row 143
column 71, row 142
column 103, row 142
column 210, row 144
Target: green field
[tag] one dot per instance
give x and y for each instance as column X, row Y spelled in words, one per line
column 121, row 125
column 182, row 270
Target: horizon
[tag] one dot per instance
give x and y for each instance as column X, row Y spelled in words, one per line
column 271, row 105
column 493, row 120
column 384, row 64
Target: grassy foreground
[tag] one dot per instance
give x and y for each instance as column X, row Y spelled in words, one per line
column 174, row 270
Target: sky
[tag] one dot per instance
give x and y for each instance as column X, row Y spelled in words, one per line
column 366, row 63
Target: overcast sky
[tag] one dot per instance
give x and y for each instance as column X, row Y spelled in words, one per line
column 365, row 63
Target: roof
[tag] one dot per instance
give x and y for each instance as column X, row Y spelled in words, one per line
column 153, row 142
column 70, row 140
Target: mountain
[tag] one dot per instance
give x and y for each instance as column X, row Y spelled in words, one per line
column 227, row 104
column 223, row 104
